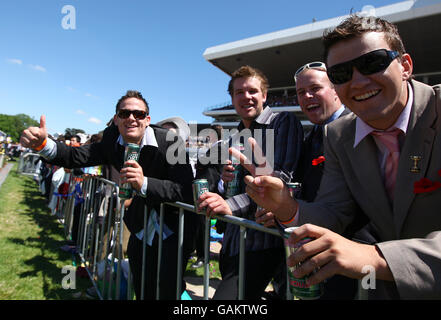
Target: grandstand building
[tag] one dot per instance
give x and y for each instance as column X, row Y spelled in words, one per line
column 279, row 54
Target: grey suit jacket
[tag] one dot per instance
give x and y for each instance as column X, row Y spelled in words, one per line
column 409, row 230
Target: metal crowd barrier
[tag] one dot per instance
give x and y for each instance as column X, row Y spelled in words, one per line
column 101, row 233
column 94, row 203
column 28, row 164
column 244, row 225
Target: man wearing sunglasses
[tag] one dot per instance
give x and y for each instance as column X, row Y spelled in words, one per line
column 384, row 159
column 152, row 177
column 320, row 103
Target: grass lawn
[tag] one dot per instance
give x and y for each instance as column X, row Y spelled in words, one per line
column 31, row 261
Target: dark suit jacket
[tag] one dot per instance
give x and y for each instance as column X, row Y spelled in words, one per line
column 166, row 182
column 309, row 175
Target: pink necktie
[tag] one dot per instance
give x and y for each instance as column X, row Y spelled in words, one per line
column 390, row 140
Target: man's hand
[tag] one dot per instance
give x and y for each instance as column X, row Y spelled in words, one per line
column 133, row 174
column 267, row 191
column 267, row 219
column 214, row 204
column 33, row 137
column 227, row 172
column 331, row 254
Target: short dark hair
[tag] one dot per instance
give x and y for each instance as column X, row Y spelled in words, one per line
column 132, row 94
column 356, row 26
column 247, row 72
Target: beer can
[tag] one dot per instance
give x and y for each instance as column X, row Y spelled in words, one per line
column 131, row 153
column 294, row 188
column 298, row 286
column 232, row 188
column 200, row 186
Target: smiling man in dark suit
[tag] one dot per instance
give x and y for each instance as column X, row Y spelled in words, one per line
column 153, row 177
column 320, row 103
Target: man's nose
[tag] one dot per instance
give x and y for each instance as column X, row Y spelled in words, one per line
column 358, row 79
column 309, row 94
column 131, row 116
column 248, row 95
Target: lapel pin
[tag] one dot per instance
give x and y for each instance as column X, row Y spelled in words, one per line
column 415, row 168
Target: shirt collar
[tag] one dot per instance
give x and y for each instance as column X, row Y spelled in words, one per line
column 264, row 118
column 148, row 139
column 335, row 115
column 362, row 129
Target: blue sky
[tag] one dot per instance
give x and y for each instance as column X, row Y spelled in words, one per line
column 75, row 77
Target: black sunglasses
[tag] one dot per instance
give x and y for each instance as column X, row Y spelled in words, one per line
column 369, row 63
column 138, row 114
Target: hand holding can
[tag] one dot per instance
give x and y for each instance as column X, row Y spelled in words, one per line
column 298, row 286
column 131, row 153
column 200, row 186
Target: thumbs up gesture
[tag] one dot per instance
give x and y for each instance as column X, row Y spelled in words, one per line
column 33, row 137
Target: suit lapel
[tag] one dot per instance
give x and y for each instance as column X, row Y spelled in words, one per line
column 418, row 142
column 369, row 176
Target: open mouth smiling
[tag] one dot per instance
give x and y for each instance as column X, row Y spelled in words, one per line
column 366, row 95
column 312, row 107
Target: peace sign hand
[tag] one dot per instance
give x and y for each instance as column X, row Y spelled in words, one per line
column 267, row 191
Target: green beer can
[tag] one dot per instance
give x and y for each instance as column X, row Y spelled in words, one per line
column 298, row 286
column 232, row 188
column 131, row 153
column 200, row 186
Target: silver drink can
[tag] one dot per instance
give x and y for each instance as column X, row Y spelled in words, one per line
column 131, row 153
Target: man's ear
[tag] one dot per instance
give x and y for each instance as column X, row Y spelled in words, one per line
column 407, row 65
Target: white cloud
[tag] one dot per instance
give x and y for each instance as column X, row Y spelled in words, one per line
column 15, row 61
column 89, row 95
column 79, row 111
column 37, row 67
column 94, row 120
column 71, row 89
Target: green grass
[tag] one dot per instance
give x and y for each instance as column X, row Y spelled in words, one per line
column 31, row 261
column 199, row 272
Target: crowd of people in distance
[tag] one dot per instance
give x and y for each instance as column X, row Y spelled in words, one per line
column 370, row 174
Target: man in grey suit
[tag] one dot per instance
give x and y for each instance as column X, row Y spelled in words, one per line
column 372, row 75
column 320, row 103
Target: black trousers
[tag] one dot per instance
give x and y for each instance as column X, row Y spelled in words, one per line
column 168, row 272
column 260, row 267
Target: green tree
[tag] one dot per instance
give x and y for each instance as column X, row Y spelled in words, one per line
column 72, row 131
column 14, row 125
